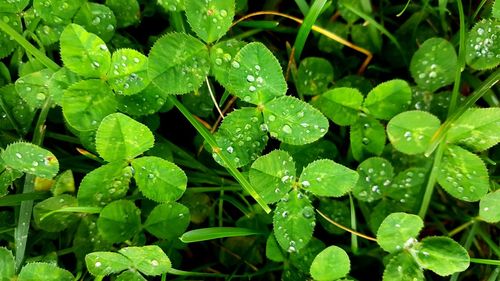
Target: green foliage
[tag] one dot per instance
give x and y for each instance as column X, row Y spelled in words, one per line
column 120, row 137
column 433, row 64
column 331, row 264
column 158, row 179
column 97, row 177
column 210, row 20
column 294, row 221
column 180, row 61
column 31, row 159
column 119, row 221
column 327, row 178
column 489, row 207
column 463, row 174
column 84, row 53
column 411, row 131
column 315, row 75
column 483, row 45
column 256, row 75
column 293, row 121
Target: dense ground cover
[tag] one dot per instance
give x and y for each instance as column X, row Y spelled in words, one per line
column 219, row 139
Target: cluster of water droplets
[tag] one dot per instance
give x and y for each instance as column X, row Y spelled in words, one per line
column 123, row 76
column 431, row 72
column 458, row 177
column 484, row 42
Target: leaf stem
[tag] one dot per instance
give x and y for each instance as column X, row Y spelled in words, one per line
column 485, row 261
column 354, row 238
column 460, row 228
column 211, row 141
column 346, row 228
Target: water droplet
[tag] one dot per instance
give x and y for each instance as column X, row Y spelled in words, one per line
column 96, row 21
column 285, row 178
column 34, row 163
column 223, row 13
column 235, row 64
column 308, row 212
column 230, row 149
column 18, row 155
column 250, row 78
column 110, row 27
column 154, row 263
column 97, row 264
column 151, row 176
column 365, row 141
column 306, row 184
column 252, row 88
column 95, row 64
column 286, row 129
column 40, row 96
column 272, row 118
column 257, row 67
column 103, row 47
column 218, row 61
column 284, row 214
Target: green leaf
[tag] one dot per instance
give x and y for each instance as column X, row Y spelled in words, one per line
column 98, row 19
column 168, row 221
column 64, row 182
column 489, row 207
column 149, row 260
column 221, row 59
column 314, row 76
column 33, row 88
column 120, row 137
column 398, row 231
column 59, row 82
column 327, row 178
column 403, row 267
column 273, row 249
column 367, row 138
column 49, row 34
column 375, row 175
column 256, row 76
column 382, row 209
column 84, row 53
column 476, row 129
column 7, row 264
column 495, row 10
column 178, row 63
column 105, row 184
column 147, row 102
column 13, row 6
column 127, row 12
column 44, row 272
column 119, row 221
column 130, row 276
column 172, row 5
column 434, row 64
column 307, row 153
column 7, row 177
column 210, row 20
column 204, row 234
column 159, row 179
column 341, row 105
column 410, row 132
column 406, row 187
column 336, row 210
column 106, row 263
column 442, row 255
column 272, row 175
column 463, row 174
column 22, row 114
column 128, row 72
column 293, row 121
column 8, row 45
column 331, row 264
column 294, row 221
column 57, row 11
column 55, row 222
column 483, row 45
column 31, row 159
column 86, row 103
column 241, row 137
column 303, row 259
column 388, row 99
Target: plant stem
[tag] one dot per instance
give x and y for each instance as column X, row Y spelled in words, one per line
column 461, row 60
column 485, row 261
column 431, row 182
column 228, row 164
column 305, row 28
column 467, row 244
column 23, row 224
column 354, row 238
column 346, row 228
column 212, row 189
column 29, row 47
column 460, row 228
